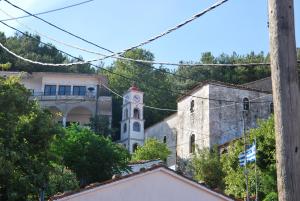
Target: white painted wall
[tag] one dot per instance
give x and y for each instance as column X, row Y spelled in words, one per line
column 168, row 128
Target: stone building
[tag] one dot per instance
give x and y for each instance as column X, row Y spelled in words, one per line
column 212, row 113
column 73, row 97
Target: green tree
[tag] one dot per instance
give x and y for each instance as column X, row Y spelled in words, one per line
column 152, row 149
column 100, row 125
column 206, row 167
column 229, row 74
column 61, row 179
column 32, row 48
column 25, row 136
column 5, row 66
column 92, row 157
column 266, row 167
column 155, row 84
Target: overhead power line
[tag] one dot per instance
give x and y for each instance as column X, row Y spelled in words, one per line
column 117, row 55
column 46, row 64
column 138, row 60
column 151, row 107
column 196, row 16
column 57, row 27
column 125, row 77
column 85, row 62
column 174, row 110
column 49, row 11
column 90, row 51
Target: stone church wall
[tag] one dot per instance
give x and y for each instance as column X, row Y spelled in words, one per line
column 226, row 118
column 193, row 119
column 165, row 129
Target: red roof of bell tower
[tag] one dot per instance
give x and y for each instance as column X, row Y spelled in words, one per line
column 134, row 87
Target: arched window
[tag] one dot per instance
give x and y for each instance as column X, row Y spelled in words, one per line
column 126, row 113
column 136, row 113
column 136, row 126
column 165, row 139
column 192, row 144
column 272, row 108
column 192, row 106
column 124, row 128
column 134, row 147
column 246, row 104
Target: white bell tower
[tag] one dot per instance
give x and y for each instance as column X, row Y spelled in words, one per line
column 132, row 124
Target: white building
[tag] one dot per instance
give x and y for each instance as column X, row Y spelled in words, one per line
column 157, row 183
column 142, row 165
column 210, row 114
column 73, row 97
column 132, row 124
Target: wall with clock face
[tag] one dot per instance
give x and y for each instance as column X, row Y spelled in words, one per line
column 132, row 117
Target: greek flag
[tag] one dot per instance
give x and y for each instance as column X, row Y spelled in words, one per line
column 250, row 155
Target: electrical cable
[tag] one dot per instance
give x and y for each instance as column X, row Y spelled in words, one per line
column 85, row 62
column 109, row 71
column 196, row 16
column 46, row 64
column 151, row 107
column 57, row 27
column 49, row 11
column 77, row 58
column 152, row 39
column 173, row 110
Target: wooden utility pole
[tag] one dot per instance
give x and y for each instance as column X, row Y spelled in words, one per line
column 285, row 85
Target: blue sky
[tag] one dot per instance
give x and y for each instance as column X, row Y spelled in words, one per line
column 238, row 25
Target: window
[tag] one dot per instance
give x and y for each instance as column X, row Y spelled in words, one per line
column 79, row 90
column 136, row 127
column 272, row 108
column 125, row 128
column 136, row 113
column 31, row 91
column 126, row 113
column 165, row 139
column 246, row 104
column 192, row 106
column 134, row 147
column 192, row 144
column 64, row 90
column 50, row 90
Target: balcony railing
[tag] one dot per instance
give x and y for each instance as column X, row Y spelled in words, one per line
column 41, row 96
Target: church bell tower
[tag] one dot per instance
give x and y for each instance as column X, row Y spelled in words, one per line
column 132, row 124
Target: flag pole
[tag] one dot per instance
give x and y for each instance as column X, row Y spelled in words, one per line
column 245, row 148
column 256, row 178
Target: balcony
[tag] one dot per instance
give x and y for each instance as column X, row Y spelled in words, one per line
column 41, row 96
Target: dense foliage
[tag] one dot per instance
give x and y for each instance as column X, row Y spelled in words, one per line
column 25, row 136
column 152, row 149
column 226, row 173
column 205, row 166
column 266, row 163
column 61, row 179
column 31, row 48
column 92, row 157
column 155, row 84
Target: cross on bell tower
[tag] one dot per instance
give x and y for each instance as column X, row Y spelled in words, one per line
column 132, row 124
